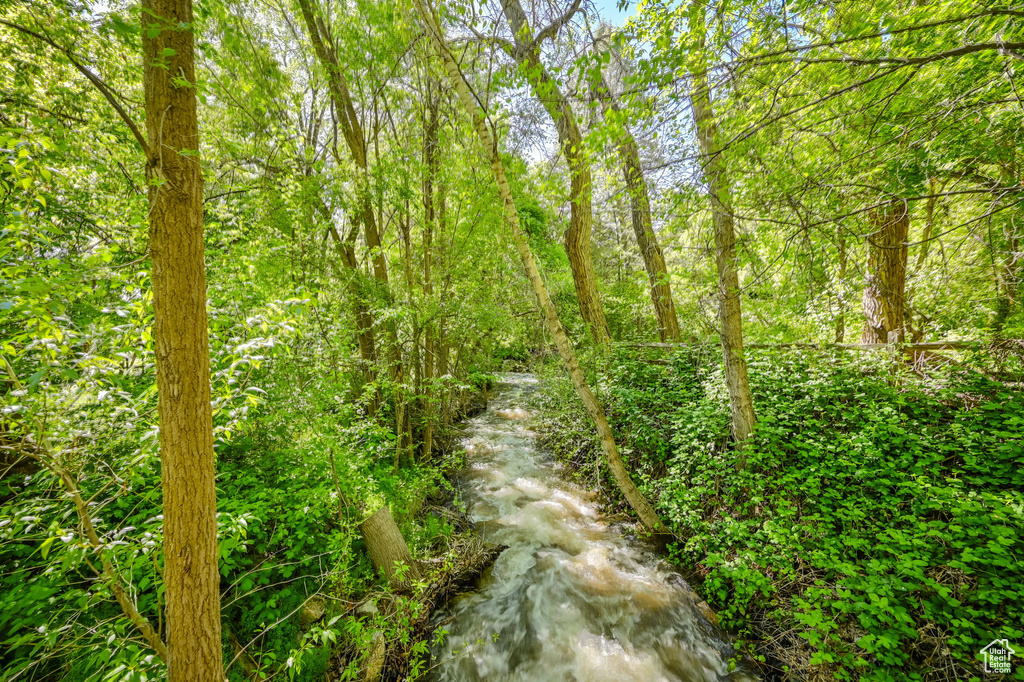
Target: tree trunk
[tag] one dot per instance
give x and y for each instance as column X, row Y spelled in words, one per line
column 643, row 227
column 886, row 278
column 1008, row 271
column 594, row 408
column 441, row 345
column 176, row 247
column 581, row 217
column 403, row 416
column 929, row 222
column 843, row 261
column 647, row 241
column 716, row 175
column 387, row 549
column 431, row 162
column 357, row 294
column 352, row 130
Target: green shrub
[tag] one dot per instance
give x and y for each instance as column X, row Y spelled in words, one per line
column 877, row 530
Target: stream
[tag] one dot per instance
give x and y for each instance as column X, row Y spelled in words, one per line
column 573, row 598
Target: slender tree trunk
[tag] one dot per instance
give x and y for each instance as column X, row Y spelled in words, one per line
column 647, row 241
column 431, row 163
column 180, row 332
column 441, row 346
column 843, row 261
column 1008, row 272
column 716, row 175
column 403, row 418
column 886, row 278
column 594, row 408
column 643, row 226
column 929, row 224
column 356, row 289
column 351, row 128
column 581, row 217
column 352, row 132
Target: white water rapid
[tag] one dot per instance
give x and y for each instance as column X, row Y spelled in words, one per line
column 572, row 598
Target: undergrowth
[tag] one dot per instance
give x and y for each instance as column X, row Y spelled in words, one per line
column 877, row 529
column 298, row 468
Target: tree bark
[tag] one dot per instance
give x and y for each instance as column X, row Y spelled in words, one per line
column 431, row 168
column 843, row 261
column 594, row 408
column 581, row 217
column 643, row 226
column 886, row 277
column 346, row 249
column 387, row 549
column 717, row 178
column 182, row 347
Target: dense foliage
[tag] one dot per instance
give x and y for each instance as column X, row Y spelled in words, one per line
column 363, row 287
column 875, row 532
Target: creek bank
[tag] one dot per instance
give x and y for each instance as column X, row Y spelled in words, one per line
column 574, row 595
column 449, row 569
column 876, row 528
column 577, row 449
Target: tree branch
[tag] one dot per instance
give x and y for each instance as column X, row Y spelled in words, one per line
column 93, row 78
column 552, row 29
column 1009, row 49
column 881, row 34
column 498, row 41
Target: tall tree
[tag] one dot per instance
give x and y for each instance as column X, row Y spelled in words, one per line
column 356, row 287
column 431, row 170
column 640, row 215
column 716, row 175
column 352, row 132
column 351, row 128
column 526, row 51
column 886, row 276
column 554, row 326
column 180, row 334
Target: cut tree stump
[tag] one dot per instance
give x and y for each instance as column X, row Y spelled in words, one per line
column 387, row 549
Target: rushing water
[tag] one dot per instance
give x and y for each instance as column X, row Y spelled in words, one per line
column 571, row 598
